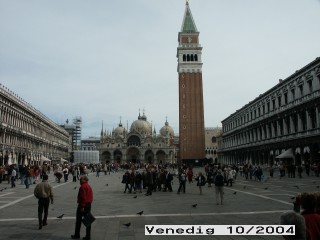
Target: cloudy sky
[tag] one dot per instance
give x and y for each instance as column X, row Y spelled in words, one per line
column 104, row 59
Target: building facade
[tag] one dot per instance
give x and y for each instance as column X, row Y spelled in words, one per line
column 211, row 143
column 90, row 144
column 191, row 110
column 26, row 135
column 139, row 144
column 284, row 118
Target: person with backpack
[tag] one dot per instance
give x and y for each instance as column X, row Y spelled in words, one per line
column 219, row 182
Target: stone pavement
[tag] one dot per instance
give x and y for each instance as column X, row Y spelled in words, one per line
column 247, row 202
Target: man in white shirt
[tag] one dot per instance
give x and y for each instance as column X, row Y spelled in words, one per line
column 65, row 173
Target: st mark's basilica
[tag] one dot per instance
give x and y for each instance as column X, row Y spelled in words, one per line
column 140, row 143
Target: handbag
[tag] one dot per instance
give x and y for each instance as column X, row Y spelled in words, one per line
column 88, row 219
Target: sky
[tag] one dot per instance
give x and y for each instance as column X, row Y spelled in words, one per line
column 106, row 60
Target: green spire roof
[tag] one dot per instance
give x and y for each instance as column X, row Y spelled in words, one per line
column 188, row 24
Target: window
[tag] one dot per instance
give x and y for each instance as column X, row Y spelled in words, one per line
column 184, row 57
column 301, row 90
column 279, row 101
column 310, row 86
column 293, row 94
column 285, row 98
column 268, row 106
column 273, row 104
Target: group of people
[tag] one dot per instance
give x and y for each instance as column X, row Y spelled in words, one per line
column 151, row 179
column 159, row 178
column 28, row 174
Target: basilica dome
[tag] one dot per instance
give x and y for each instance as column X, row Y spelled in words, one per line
column 141, row 126
column 120, row 130
column 166, row 129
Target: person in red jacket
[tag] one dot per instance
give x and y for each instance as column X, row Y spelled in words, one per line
column 308, row 204
column 85, row 198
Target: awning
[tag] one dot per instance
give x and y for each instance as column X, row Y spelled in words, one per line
column 44, row 159
column 63, row 160
column 286, row 154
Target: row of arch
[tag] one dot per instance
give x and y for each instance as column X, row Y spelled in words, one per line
column 134, row 155
column 210, row 151
column 190, row 57
column 298, row 155
column 289, row 125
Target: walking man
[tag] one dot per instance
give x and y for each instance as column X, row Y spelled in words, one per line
column 219, row 182
column 85, row 198
column 13, row 177
column 43, row 191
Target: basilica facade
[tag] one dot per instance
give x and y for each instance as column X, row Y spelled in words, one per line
column 138, row 144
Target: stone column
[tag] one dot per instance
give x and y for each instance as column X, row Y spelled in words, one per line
column 299, row 123
column 308, row 119
column 291, row 125
column 285, row 127
column 263, row 133
column 272, row 130
column 278, row 128
column 317, row 118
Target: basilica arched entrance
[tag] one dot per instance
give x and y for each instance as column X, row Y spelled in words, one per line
column 117, row 156
column 161, row 156
column 105, row 157
column 149, row 156
column 133, row 155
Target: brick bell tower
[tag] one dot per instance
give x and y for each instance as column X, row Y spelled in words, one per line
column 191, row 113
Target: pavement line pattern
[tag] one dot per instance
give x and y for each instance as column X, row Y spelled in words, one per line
column 261, row 196
column 29, row 196
column 5, row 194
column 152, row 215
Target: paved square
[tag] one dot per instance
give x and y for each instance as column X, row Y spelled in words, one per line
column 247, row 202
